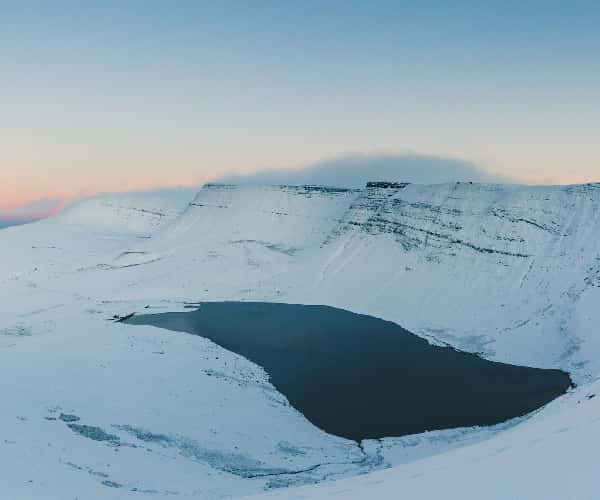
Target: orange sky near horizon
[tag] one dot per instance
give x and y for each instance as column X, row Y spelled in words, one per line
column 120, row 96
column 18, row 191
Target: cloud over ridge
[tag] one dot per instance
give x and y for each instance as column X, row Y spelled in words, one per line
column 356, row 170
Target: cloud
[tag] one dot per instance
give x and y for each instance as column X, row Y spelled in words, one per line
column 31, row 211
column 357, row 170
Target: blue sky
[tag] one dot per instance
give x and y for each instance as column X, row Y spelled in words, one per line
column 111, row 95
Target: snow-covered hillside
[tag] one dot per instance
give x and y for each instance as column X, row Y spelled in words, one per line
column 93, row 409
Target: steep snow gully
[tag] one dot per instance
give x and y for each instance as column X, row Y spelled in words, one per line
column 94, row 408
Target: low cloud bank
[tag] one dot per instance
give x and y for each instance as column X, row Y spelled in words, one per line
column 356, row 170
column 30, row 212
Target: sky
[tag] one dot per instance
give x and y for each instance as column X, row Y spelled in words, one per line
column 127, row 95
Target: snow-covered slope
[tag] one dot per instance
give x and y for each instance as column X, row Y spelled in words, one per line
column 139, row 213
column 91, row 226
column 290, row 217
column 92, row 409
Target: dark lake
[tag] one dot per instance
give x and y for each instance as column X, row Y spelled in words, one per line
column 360, row 377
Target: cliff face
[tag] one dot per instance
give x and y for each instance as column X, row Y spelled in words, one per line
column 511, row 221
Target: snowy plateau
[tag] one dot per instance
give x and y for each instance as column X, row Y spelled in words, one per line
column 92, row 408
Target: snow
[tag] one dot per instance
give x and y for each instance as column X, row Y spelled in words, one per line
column 93, row 408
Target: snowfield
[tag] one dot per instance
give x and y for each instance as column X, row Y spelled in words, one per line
column 94, row 409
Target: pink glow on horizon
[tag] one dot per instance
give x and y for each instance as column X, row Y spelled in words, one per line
column 21, row 213
column 16, row 199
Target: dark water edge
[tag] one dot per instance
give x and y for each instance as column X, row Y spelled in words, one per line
column 361, row 377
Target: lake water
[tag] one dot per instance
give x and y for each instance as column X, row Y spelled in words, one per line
column 360, row 377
